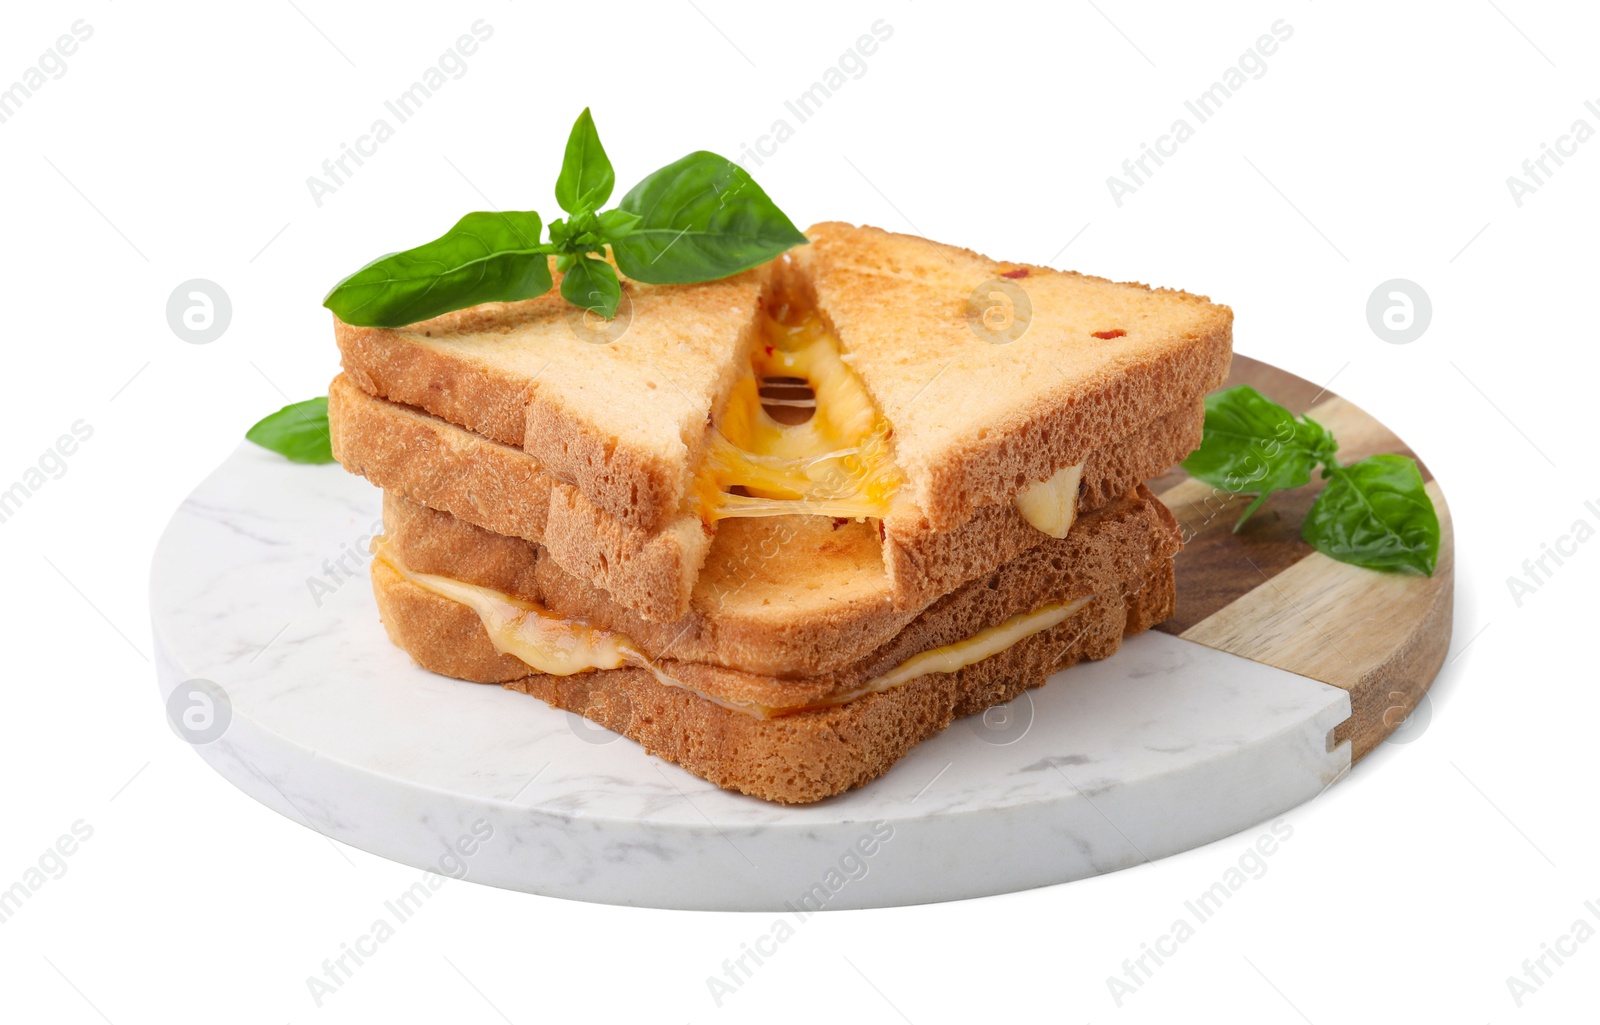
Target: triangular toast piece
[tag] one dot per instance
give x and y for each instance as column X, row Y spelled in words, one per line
column 653, row 426
column 617, row 409
column 997, row 375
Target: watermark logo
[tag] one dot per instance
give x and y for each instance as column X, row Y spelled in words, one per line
column 1137, row 171
column 851, row 65
column 1536, row 971
column 1538, row 570
column 346, row 566
column 51, row 65
column 1537, row 171
column 1003, row 725
column 51, row 864
column 451, row 65
column 851, row 866
column 199, row 311
column 1406, row 723
column 199, row 711
column 589, row 327
column 52, row 465
column 591, row 732
column 999, row 311
column 340, row 968
column 1399, row 311
column 1251, row 865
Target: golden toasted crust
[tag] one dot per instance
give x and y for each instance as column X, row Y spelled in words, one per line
column 621, row 418
column 620, row 410
column 924, row 562
column 809, row 618
column 499, row 488
column 796, row 758
column 449, row 636
column 980, row 411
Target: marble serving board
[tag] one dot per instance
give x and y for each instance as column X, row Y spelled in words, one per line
column 1279, row 668
column 269, row 640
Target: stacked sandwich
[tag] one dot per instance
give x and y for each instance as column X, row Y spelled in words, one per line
column 781, row 527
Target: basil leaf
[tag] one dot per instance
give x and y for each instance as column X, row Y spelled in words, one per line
column 700, row 218
column 486, row 257
column 592, row 284
column 1376, row 514
column 586, row 176
column 617, row 223
column 299, row 432
column 1252, row 445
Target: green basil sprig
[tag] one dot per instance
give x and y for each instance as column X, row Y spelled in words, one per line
column 1373, row 513
column 700, row 218
column 298, row 431
column 1254, row 446
column 486, row 257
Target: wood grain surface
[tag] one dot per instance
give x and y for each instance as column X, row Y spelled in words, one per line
column 1266, row 595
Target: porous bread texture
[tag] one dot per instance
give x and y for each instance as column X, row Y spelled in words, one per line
column 623, row 420
column 923, row 562
column 976, row 418
column 762, row 634
column 499, row 488
column 792, row 759
column 503, row 490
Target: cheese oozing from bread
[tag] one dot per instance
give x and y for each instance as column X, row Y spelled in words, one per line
column 1051, row 505
column 949, row 658
column 836, row 463
column 547, row 642
column 550, row 643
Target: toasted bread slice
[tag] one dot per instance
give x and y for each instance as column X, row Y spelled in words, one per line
column 790, row 611
column 996, row 375
column 804, row 748
column 619, row 410
column 623, row 411
column 500, row 489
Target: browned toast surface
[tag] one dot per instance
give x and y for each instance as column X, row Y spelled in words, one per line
column 622, row 412
column 995, row 374
column 796, row 598
column 505, row 491
column 794, row 758
column 618, row 410
column 501, row 489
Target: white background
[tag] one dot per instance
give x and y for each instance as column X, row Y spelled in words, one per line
column 1377, row 145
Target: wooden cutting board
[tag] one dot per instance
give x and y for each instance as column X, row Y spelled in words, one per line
column 1266, row 595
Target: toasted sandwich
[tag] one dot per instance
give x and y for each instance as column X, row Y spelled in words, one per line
column 960, row 444
column 795, row 678
column 779, row 528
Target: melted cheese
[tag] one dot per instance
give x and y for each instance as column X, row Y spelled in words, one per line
column 1051, row 505
column 544, row 641
column 522, row 629
column 979, row 646
column 837, row 463
column 549, row 643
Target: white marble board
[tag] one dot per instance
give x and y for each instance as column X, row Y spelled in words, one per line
column 1165, row 746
